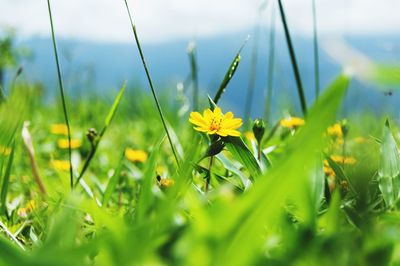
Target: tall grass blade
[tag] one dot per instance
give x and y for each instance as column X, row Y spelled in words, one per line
column 293, row 60
column 271, row 63
column 6, row 180
column 249, row 216
column 229, row 74
column 252, row 74
column 316, row 52
column 63, row 101
column 194, row 74
column 151, row 84
column 113, row 182
column 95, row 143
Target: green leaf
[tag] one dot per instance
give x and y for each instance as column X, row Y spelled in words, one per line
column 112, row 183
column 113, row 109
column 6, row 180
column 242, row 153
column 229, row 74
column 249, row 216
column 389, row 168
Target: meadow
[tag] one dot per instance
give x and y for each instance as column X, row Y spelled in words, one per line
column 174, row 178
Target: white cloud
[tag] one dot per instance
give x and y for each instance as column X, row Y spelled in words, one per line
column 160, row 20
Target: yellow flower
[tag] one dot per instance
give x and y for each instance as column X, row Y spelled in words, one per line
column 59, row 129
column 344, row 160
column 292, row 122
column 215, row 122
column 60, row 165
column 23, row 212
column 63, row 143
column 136, row 155
column 335, row 131
column 5, row 150
column 166, row 182
column 360, row 140
column 328, row 170
column 249, row 135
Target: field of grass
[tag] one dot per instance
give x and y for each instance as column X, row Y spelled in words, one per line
column 134, row 178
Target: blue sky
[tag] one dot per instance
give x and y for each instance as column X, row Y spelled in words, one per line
column 165, row 20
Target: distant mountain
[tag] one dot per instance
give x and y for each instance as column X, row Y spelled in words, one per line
column 102, row 66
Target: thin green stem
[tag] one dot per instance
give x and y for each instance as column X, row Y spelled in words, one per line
column 151, row 84
column 208, row 178
column 64, row 105
column 194, row 75
column 316, row 53
column 252, row 75
column 293, row 60
column 271, row 63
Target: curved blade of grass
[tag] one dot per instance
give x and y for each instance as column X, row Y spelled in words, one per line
column 248, row 216
column 242, row 153
column 292, row 54
column 112, row 183
column 146, row 198
column 163, row 120
column 107, row 122
column 229, row 74
column 6, row 180
column 339, row 172
column 61, row 86
column 389, row 168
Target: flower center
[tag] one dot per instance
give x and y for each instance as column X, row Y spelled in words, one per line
column 215, row 125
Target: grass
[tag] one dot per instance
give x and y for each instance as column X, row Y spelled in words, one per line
column 318, row 191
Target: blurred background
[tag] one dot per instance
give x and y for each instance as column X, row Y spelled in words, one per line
column 98, row 51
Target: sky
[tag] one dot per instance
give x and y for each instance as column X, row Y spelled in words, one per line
column 166, row 20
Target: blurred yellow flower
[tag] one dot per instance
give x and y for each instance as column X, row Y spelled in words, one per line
column 60, row 165
column 249, row 135
column 215, row 122
column 335, row 131
column 160, row 169
column 59, row 129
column 136, row 155
column 166, row 182
column 23, row 212
column 328, row 170
column 291, row 122
column 63, row 143
column 5, row 150
column 360, row 140
column 344, row 160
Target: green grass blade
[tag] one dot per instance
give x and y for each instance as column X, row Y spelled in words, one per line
column 293, row 60
column 316, row 52
column 242, row 153
column 113, row 109
column 6, row 180
column 146, row 199
column 249, row 216
column 160, row 112
column 389, row 168
column 63, row 101
column 194, row 75
column 229, row 74
column 113, row 182
column 271, row 63
column 107, row 122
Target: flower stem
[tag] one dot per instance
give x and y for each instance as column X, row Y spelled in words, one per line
column 208, row 178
